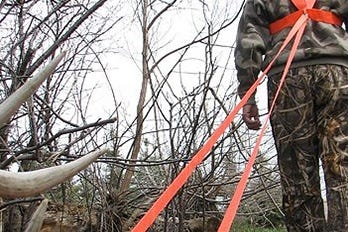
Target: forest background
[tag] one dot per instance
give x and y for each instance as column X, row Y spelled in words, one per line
column 148, row 79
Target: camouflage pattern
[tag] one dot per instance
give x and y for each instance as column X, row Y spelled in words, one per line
column 322, row 43
column 310, row 121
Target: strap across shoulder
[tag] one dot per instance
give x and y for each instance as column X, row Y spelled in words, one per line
column 305, row 7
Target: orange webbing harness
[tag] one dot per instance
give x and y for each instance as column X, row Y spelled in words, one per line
column 297, row 22
column 297, row 28
column 313, row 14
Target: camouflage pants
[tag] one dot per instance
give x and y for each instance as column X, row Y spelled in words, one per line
column 310, row 122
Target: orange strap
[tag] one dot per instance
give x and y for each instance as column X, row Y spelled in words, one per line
column 297, row 32
column 231, row 211
column 313, row 14
column 167, row 195
column 147, row 220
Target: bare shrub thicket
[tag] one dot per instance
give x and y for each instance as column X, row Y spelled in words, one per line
column 188, row 87
column 52, row 126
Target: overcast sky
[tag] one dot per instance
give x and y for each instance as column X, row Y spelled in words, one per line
column 179, row 27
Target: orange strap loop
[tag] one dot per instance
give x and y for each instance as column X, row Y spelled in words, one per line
column 298, row 24
column 295, row 33
column 313, row 14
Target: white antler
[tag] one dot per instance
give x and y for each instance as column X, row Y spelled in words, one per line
column 15, row 100
column 24, row 184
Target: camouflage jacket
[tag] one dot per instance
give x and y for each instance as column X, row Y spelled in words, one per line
column 322, row 43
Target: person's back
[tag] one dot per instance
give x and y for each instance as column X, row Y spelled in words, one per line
column 322, row 43
column 310, row 117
